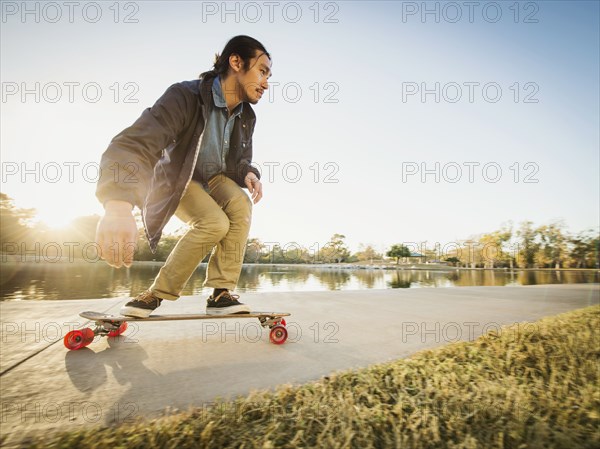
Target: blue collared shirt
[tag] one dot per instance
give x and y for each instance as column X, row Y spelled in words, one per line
column 216, row 136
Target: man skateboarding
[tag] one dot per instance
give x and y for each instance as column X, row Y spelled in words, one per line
column 189, row 155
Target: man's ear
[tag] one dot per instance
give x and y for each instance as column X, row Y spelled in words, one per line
column 235, row 62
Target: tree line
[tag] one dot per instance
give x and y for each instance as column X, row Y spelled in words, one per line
column 526, row 246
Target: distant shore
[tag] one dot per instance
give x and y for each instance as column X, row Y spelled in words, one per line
column 17, row 259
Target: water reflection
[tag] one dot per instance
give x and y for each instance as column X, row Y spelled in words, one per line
column 22, row 281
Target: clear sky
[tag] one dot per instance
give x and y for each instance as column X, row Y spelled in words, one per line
column 387, row 122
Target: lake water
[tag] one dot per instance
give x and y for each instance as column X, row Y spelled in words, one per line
column 30, row 280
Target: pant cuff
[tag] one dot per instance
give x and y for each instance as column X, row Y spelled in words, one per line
column 219, row 285
column 164, row 295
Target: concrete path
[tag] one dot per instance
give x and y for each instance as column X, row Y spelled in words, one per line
column 175, row 365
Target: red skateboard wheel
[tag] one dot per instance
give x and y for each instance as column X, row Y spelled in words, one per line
column 278, row 334
column 78, row 338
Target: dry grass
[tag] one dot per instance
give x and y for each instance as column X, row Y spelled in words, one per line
column 513, row 389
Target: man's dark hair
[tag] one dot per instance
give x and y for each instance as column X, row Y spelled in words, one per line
column 245, row 47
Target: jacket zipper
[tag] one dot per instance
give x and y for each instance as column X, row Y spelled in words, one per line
column 197, row 153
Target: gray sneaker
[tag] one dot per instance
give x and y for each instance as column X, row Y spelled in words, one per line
column 142, row 305
column 225, row 304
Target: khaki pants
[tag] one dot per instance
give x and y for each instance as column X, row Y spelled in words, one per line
column 219, row 220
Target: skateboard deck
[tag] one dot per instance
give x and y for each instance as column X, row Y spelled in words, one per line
column 114, row 325
column 197, row 316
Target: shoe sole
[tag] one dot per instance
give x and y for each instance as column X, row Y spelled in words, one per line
column 232, row 310
column 135, row 312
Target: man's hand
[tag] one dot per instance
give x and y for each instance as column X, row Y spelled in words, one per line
column 116, row 234
column 254, row 187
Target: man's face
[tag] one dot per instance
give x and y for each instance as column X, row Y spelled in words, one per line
column 254, row 81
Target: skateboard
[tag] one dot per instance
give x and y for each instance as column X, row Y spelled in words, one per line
column 113, row 326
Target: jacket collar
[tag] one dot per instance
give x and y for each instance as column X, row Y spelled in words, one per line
column 206, row 80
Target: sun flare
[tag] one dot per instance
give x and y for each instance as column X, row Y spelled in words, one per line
column 55, row 218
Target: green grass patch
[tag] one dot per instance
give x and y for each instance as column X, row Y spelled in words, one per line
column 532, row 386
